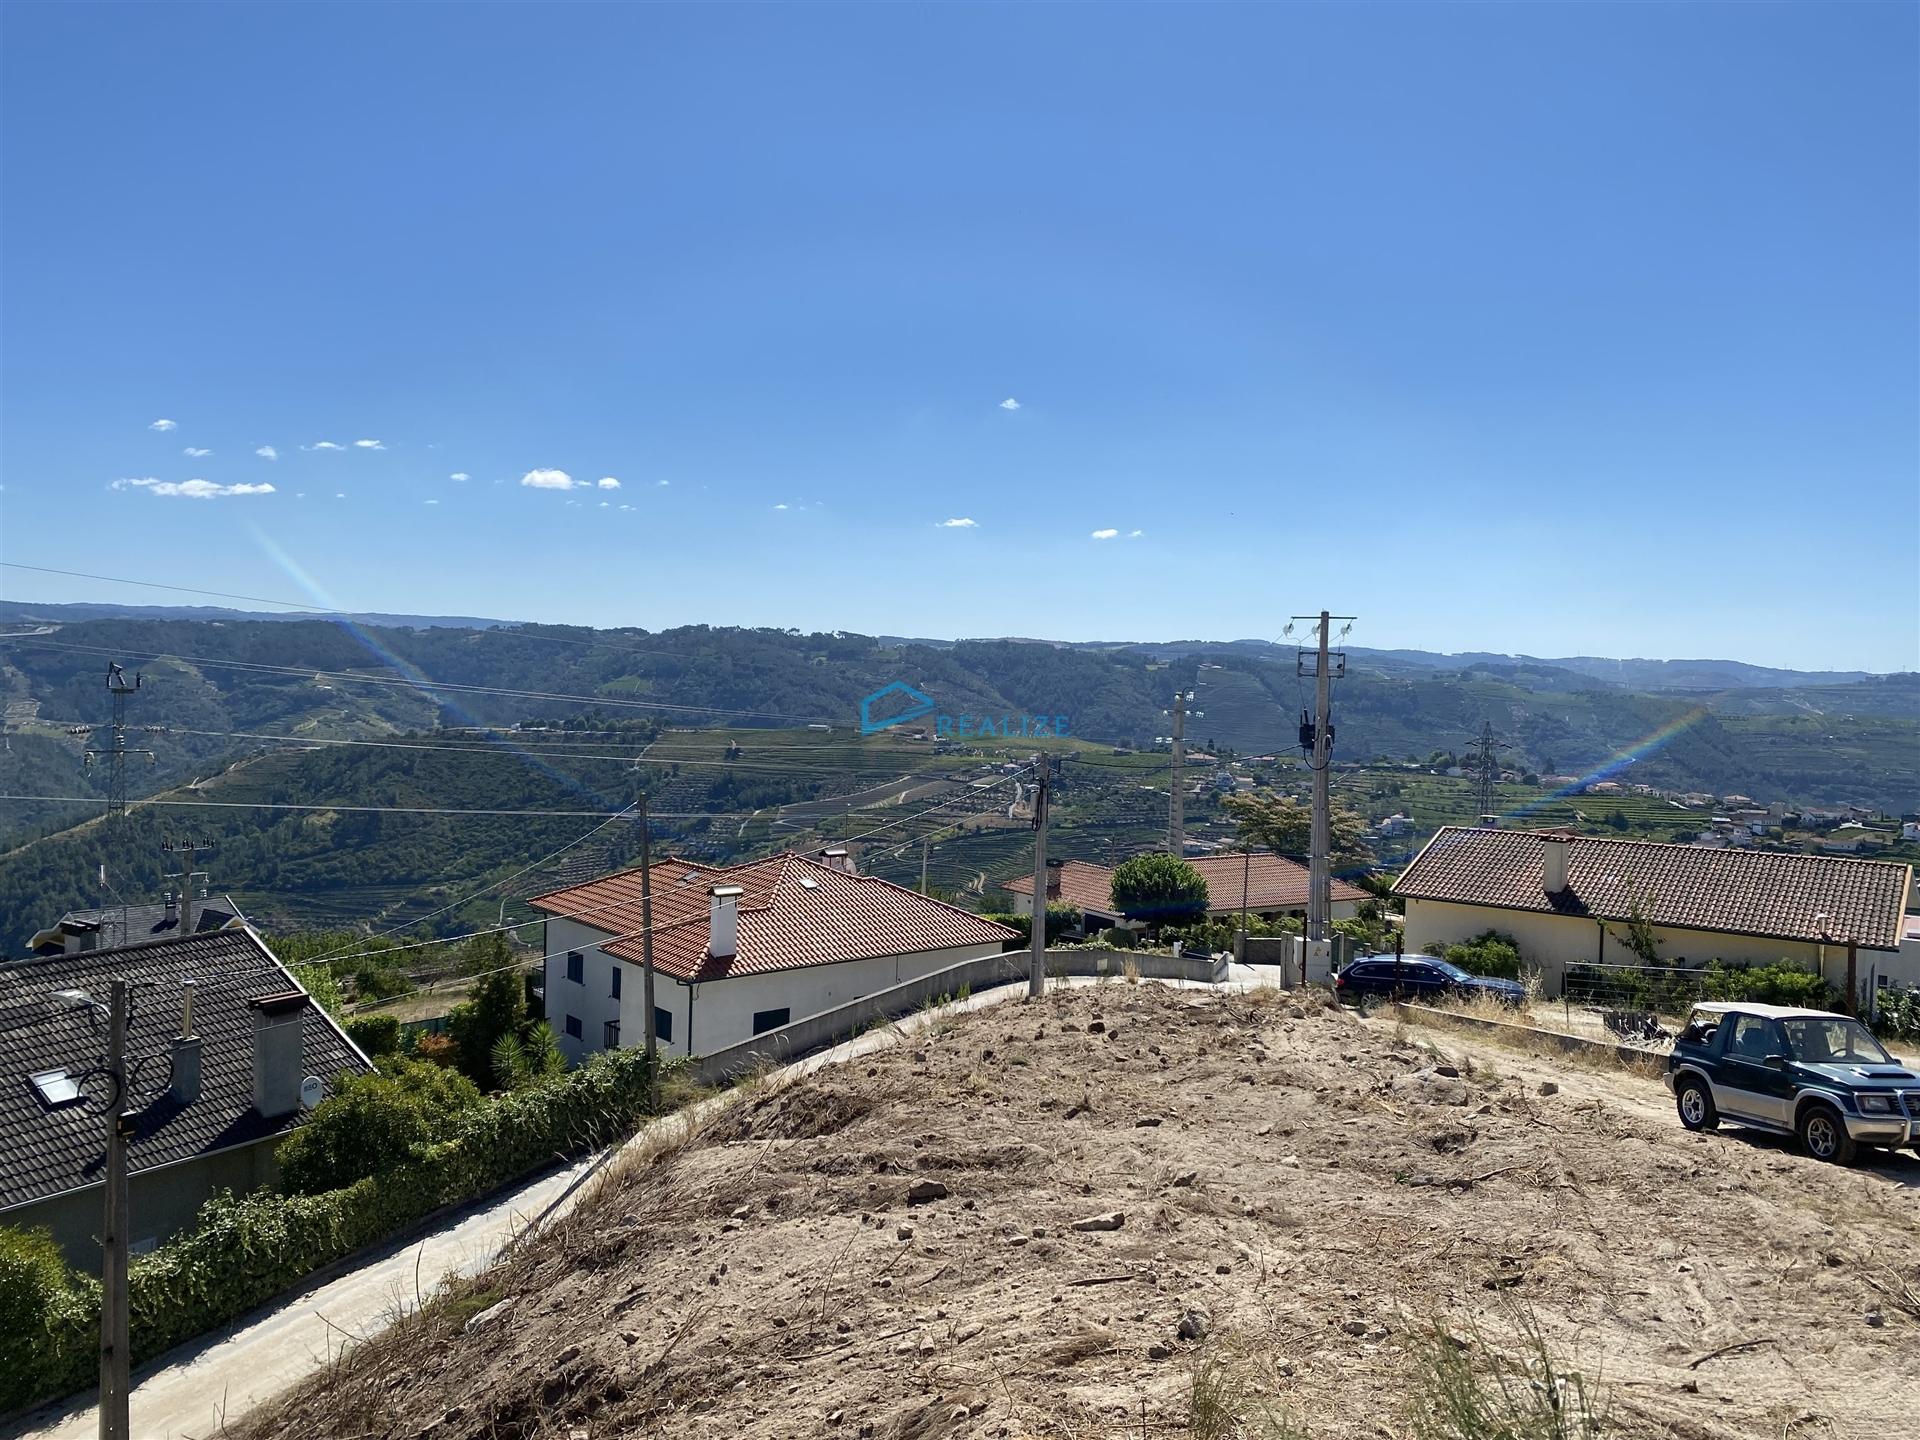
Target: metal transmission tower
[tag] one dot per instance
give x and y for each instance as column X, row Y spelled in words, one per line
column 1316, row 739
column 1177, row 809
column 1489, row 777
column 117, row 757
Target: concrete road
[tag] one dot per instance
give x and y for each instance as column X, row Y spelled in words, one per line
column 188, row 1392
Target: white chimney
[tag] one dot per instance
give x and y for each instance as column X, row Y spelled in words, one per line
column 723, row 934
column 279, row 1023
column 837, row 859
column 1553, row 862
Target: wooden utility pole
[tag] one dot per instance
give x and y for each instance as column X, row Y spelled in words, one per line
column 1853, row 976
column 1037, row 961
column 114, row 1360
column 923, row 864
column 646, row 957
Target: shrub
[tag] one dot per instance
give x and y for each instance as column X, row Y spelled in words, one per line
column 1782, row 983
column 1489, row 953
column 1162, row 889
column 376, row 1034
column 49, row 1320
column 1897, row 1014
column 372, row 1124
column 1119, row 937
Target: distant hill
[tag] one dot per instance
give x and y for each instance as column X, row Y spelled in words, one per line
column 212, row 685
column 13, row 611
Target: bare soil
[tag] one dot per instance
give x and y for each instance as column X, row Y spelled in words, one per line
column 1312, row 1187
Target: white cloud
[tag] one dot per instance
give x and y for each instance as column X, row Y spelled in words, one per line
column 368, row 445
column 163, row 425
column 1135, row 534
column 781, row 506
column 960, row 522
column 607, row 482
column 663, row 482
column 195, row 451
column 266, row 452
column 429, row 502
column 323, row 445
column 191, row 489
column 626, row 507
column 550, row 480
column 1009, row 403
column 339, row 494
column 605, row 503
column 1105, row 534
column 460, row 475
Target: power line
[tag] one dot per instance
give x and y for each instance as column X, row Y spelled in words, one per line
column 365, row 809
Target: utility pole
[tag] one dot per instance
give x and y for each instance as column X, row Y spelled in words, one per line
column 187, row 849
column 1037, row 961
column 1853, row 976
column 114, row 1366
column 1246, row 879
column 923, row 864
column 646, row 956
column 1316, row 737
column 117, row 757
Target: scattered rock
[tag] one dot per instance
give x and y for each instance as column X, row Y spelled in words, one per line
column 921, row 1191
column 1184, row 1180
column 836, row 1417
column 1547, row 1087
column 1876, row 1319
column 1452, row 1072
column 1147, row 1122
column 1112, row 1220
column 905, row 1232
column 1157, row 1351
column 966, row 1333
column 484, row 1318
column 566, row 1356
column 1094, row 1027
column 1355, row 1327
column 1016, row 1241
column 1194, row 1324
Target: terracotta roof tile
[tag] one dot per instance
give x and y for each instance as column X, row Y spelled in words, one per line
column 793, row 911
column 1741, row 892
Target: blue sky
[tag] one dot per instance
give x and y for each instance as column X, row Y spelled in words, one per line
column 1555, row 329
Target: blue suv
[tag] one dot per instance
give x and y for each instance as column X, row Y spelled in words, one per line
column 1420, row 978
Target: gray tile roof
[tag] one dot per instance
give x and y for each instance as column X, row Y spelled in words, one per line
column 1740, row 892
column 46, row 1151
column 131, row 924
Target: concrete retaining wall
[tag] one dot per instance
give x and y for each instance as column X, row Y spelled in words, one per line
column 1512, row 1034
column 829, row 1027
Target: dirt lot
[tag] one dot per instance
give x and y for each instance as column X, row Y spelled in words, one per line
column 1311, row 1190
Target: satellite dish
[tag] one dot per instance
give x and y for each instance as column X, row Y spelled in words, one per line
column 312, row 1092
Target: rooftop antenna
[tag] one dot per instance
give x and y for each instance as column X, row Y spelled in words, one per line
column 118, row 687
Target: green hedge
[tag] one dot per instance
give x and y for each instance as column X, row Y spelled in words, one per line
column 244, row 1250
column 49, row 1321
column 376, row 1034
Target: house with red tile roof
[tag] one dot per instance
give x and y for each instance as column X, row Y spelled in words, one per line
column 739, row 949
column 1270, row 885
column 1566, row 899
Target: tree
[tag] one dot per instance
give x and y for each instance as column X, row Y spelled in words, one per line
column 372, row 1123
column 496, row 1006
column 1283, row 825
column 527, row 1059
column 1160, row 889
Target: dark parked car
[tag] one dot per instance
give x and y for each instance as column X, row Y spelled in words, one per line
column 1810, row 1073
column 1420, row 978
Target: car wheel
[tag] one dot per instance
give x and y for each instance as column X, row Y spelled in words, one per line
column 1824, row 1134
column 1695, row 1103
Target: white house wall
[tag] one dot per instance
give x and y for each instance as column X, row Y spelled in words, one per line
column 1550, row 943
column 723, row 1010
column 717, row 1013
